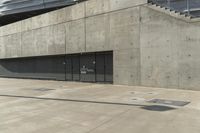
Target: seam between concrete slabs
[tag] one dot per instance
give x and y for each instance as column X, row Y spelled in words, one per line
column 140, row 63
column 111, row 119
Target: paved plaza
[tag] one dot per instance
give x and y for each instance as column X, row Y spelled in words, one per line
column 40, row 106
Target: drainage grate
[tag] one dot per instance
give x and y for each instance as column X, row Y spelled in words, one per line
column 169, row 102
column 157, row 108
column 43, row 89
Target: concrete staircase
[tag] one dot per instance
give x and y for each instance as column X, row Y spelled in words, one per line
column 171, row 12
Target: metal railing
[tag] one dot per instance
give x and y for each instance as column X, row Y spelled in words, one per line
column 188, row 7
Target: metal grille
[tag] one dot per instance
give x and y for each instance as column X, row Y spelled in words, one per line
column 169, row 102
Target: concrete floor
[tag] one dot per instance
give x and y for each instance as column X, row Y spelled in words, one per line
column 34, row 106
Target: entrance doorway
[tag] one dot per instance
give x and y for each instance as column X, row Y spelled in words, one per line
column 87, row 67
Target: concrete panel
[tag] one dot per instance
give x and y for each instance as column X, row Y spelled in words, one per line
column 189, row 54
column 75, row 36
column 12, row 45
column 127, row 67
column 41, row 20
column 57, row 40
column 77, row 11
column 26, row 25
column 11, row 29
column 125, row 76
column 67, row 14
column 159, row 68
column 55, row 17
column 98, row 33
column 189, row 75
column 159, row 53
column 1, row 31
column 58, row 16
column 127, row 58
column 124, row 29
column 117, row 30
column 94, row 7
column 45, row 41
column 28, row 46
column 169, row 51
column 42, row 38
column 2, row 48
column 121, row 4
column 49, row 40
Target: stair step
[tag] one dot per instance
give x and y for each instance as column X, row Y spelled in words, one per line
column 151, row 3
column 170, row 11
column 184, row 15
column 173, row 11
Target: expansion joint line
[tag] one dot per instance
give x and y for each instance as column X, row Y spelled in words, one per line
column 111, row 119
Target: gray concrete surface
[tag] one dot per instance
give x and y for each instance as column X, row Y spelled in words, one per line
column 169, row 51
column 151, row 47
column 91, row 26
column 36, row 106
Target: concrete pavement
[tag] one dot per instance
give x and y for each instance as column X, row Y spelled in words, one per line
column 36, row 106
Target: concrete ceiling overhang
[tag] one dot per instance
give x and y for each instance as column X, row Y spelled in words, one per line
column 16, row 10
column 9, row 7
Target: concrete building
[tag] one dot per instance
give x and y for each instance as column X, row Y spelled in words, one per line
column 16, row 10
column 125, row 42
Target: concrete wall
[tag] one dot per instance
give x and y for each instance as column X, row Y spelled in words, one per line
column 150, row 48
column 94, row 25
column 170, row 54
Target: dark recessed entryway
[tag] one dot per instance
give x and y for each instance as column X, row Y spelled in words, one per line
column 87, row 67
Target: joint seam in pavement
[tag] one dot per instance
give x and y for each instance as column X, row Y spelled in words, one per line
column 114, row 117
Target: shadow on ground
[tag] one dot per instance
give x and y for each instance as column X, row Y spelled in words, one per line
column 158, row 108
column 146, row 107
